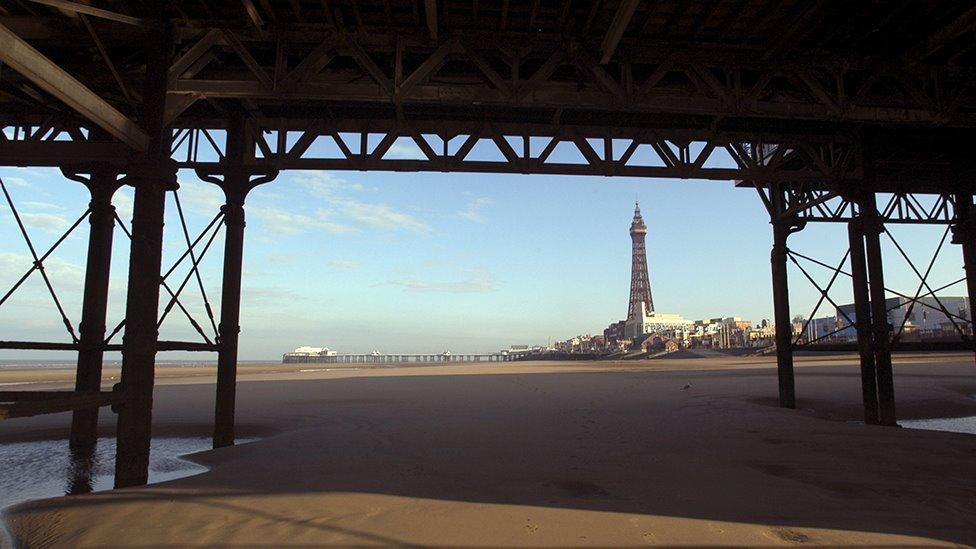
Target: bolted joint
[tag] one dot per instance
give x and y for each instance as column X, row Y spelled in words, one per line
column 153, row 173
column 871, row 225
column 233, row 214
column 226, row 329
column 964, row 231
column 86, row 327
column 101, row 207
column 779, row 253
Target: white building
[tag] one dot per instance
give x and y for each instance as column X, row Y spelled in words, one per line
column 308, row 354
column 654, row 322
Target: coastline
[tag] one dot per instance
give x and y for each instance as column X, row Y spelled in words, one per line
column 539, row 453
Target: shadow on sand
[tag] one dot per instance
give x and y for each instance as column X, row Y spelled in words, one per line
column 622, row 442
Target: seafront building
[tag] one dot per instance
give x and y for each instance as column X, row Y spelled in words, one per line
column 928, row 319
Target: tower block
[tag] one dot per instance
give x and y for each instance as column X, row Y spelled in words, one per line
column 640, row 284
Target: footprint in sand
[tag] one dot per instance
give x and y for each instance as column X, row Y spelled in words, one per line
column 788, row 535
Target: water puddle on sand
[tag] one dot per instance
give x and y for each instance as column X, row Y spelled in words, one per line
column 47, row 468
column 966, row 425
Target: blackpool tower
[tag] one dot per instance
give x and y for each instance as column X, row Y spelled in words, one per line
column 640, row 284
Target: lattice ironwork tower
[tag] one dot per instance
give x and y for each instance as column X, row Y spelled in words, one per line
column 640, row 284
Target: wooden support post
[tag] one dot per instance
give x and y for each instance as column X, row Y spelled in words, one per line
column 102, row 184
column 862, row 321
column 151, row 179
column 881, row 329
column 781, row 307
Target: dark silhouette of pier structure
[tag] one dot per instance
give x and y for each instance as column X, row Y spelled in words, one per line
column 859, row 113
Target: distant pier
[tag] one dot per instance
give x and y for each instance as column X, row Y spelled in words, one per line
column 375, row 358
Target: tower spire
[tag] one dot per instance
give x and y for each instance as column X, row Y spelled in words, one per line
column 640, row 284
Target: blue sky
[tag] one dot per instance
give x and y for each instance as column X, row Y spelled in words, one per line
column 427, row 262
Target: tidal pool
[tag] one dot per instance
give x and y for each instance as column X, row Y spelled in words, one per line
column 965, row 425
column 48, row 468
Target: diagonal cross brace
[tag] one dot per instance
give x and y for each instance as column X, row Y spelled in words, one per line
column 39, row 260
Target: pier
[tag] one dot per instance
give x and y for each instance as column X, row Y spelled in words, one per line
column 856, row 114
column 379, row 358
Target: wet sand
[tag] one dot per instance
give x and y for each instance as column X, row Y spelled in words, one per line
column 539, row 454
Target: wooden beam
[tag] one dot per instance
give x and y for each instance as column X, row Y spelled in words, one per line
column 253, row 15
column 625, row 12
column 108, row 60
column 53, row 404
column 430, row 7
column 40, row 70
column 75, row 7
column 942, row 36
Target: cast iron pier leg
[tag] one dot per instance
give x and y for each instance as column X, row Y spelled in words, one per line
column 862, row 321
column 102, row 185
column 964, row 234
column 781, row 302
column 873, row 227
column 235, row 188
column 151, row 180
column 230, row 311
column 238, row 179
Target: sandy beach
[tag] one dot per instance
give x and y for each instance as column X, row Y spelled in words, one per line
column 537, row 454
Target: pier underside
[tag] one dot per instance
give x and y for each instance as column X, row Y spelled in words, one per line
column 831, row 111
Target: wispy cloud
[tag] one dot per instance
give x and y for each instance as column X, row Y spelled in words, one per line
column 281, row 259
column 16, row 181
column 123, row 206
column 337, row 203
column 284, row 222
column 63, row 273
column 42, row 205
column 269, row 294
column 474, row 212
column 478, row 282
column 378, row 216
column 49, row 223
column 343, row 264
column 324, row 184
column 205, row 199
column 404, row 149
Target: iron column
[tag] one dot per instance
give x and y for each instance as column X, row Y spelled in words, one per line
column 235, row 188
column 151, row 179
column 236, row 183
column 862, row 320
column 102, row 184
column 881, row 329
column 964, row 234
column 781, row 304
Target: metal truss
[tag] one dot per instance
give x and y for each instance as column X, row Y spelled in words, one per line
column 525, row 148
column 550, row 72
column 824, row 296
column 961, row 325
column 817, row 202
column 38, row 266
column 206, row 236
column 205, row 240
